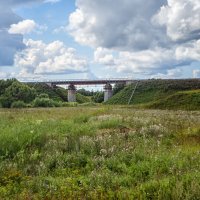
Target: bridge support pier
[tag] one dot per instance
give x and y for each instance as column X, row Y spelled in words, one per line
column 107, row 92
column 71, row 93
column 129, row 83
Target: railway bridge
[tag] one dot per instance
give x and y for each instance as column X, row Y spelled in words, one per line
column 73, row 83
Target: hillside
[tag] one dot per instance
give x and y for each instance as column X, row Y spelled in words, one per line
column 150, row 93
column 187, row 100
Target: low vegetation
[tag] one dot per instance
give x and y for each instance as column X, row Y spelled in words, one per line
column 185, row 100
column 99, row 153
column 14, row 94
column 162, row 94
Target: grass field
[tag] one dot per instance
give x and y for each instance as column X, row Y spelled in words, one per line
column 99, row 153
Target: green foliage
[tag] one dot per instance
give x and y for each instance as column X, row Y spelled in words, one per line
column 46, row 102
column 18, row 91
column 118, row 87
column 18, row 104
column 54, row 93
column 87, row 153
column 187, row 100
column 98, row 97
column 88, row 104
column 92, row 153
column 82, row 99
column 12, row 90
column 5, row 84
column 6, row 101
column 149, row 92
column 85, row 92
column 43, row 95
column 69, row 104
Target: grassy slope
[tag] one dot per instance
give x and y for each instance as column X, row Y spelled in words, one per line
column 151, row 91
column 187, row 100
column 101, row 153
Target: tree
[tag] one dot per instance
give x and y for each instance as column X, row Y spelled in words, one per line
column 118, row 87
column 17, row 92
column 98, row 97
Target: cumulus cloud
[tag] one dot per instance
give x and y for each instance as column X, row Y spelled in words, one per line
column 150, row 61
column 3, row 75
column 26, row 27
column 124, row 25
column 139, row 36
column 181, row 19
column 170, row 74
column 9, row 44
column 23, row 27
column 104, row 56
column 53, row 58
column 196, row 73
column 146, row 61
column 10, row 23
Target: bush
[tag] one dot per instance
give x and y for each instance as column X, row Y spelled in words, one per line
column 43, row 102
column 6, row 101
column 20, row 92
column 98, row 97
column 43, row 95
column 18, row 104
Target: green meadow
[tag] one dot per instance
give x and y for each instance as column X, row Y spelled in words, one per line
column 105, row 152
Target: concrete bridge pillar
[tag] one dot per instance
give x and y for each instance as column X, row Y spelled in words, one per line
column 107, row 92
column 71, row 93
column 129, row 83
column 51, row 85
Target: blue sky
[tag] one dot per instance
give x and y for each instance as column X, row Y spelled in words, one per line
column 99, row 39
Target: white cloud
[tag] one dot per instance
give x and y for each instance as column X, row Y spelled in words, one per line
column 149, row 61
column 170, row 74
column 121, row 25
column 196, row 73
column 181, row 19
column 189, row 51
column 53, row 58
column 11, row 43
column 23, row 27
column 3, row 75
column 104, row 56
column 26, row 27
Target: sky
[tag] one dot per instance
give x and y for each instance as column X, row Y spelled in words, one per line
column 93, row 39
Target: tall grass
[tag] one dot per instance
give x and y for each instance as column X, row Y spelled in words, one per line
column 99, row 153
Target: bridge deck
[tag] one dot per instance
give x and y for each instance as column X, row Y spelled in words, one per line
column 83, row 82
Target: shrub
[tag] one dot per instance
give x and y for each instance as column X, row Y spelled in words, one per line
column 43, row 102
column 18, row 104
column 57, row 103
column 6, row 101
column 20, row 92
column 98, row 97
column 43, row 95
